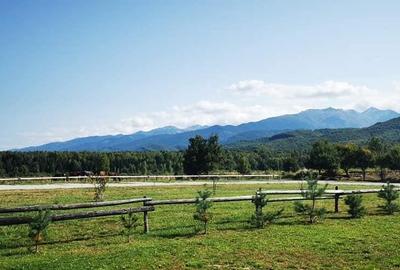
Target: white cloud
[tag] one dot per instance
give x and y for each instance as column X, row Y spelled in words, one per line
column 200, row 113
column 326, row 94
column 326, row 89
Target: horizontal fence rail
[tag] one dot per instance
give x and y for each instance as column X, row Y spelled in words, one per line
column 138, row 177
column 227, row 199
column 93, row 214
column 149, row 205
column 32, row 208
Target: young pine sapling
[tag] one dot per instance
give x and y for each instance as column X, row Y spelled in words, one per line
column 389, row 194
column 354, row 202
column 312, row 193
column 130, row 222
column 260, row 219
column 99, row 188
column 202, row 207
column 38, row 227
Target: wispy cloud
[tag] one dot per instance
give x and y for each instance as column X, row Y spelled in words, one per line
column 327, row 89
column 201, row 113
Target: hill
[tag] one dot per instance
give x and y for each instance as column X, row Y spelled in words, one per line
column 172, row 138
column 389, row 131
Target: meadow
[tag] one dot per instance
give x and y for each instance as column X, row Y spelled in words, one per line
column 337, row 242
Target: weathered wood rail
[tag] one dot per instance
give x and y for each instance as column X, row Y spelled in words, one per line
column 5, row 221
column 93, row 214
column 226, row 199
column 32, row 208
column 149, row 205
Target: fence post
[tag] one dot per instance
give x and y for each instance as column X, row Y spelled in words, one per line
column 214, row 186
column 337, row 196
column 145, row 218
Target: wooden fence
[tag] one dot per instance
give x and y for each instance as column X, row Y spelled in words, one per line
column 137, row 177
column 149, row 205
column 4, row 221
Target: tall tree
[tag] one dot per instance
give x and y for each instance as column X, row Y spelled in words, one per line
column 364, row 160
column 379, row 154
column 324, row 156
column 202, row 155
column 347, row 155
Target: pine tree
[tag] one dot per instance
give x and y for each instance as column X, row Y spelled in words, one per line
column 389, row 194
column 312, row 192
column 260, row 219
column 202, row 207
column 38, row 227
column 354, row 201
column 129, row 222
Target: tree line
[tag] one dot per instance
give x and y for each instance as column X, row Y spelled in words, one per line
column 206, row 155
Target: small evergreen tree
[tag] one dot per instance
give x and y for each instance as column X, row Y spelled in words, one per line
column 260, row 219
column 129, row 222
column 99, row 188
column 38, row 227
column 202, row 207
column 354, row 202
column 389, row 194
column 312, row 192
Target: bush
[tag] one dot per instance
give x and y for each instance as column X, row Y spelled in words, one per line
column 202, row 207
column 38, row 227
column 260, row 219
column 356, row 210
column 389, row 194
column 312, row 192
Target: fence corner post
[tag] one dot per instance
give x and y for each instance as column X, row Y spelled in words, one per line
column 145, row 218
column 337, row 196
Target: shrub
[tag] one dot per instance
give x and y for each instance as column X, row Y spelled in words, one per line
column 389, row 194
column 312, row 192
column 260, row 219
column 202, row 207
column 129, row 222
column 354, row 202
column 38, row 227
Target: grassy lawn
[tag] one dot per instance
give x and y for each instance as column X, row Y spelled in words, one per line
column 336, row 243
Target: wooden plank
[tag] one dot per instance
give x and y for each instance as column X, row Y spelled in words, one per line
column 329, row 191
column 92, row 214
column 71, row 206
column 226, row 199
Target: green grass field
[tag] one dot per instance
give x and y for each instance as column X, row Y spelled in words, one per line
column 336, row 243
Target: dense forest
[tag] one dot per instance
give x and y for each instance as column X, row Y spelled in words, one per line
column 14, row 164
column 207, row 156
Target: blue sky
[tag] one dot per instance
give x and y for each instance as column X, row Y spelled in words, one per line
column 78, row 68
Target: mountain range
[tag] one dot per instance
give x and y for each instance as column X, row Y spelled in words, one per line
column 300, row 140
column 309, row 123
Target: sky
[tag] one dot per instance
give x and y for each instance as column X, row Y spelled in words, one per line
column 77, row 68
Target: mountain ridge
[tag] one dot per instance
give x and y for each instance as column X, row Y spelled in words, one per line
column 173, row 138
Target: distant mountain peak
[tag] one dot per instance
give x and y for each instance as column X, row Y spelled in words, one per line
column 174, row 138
